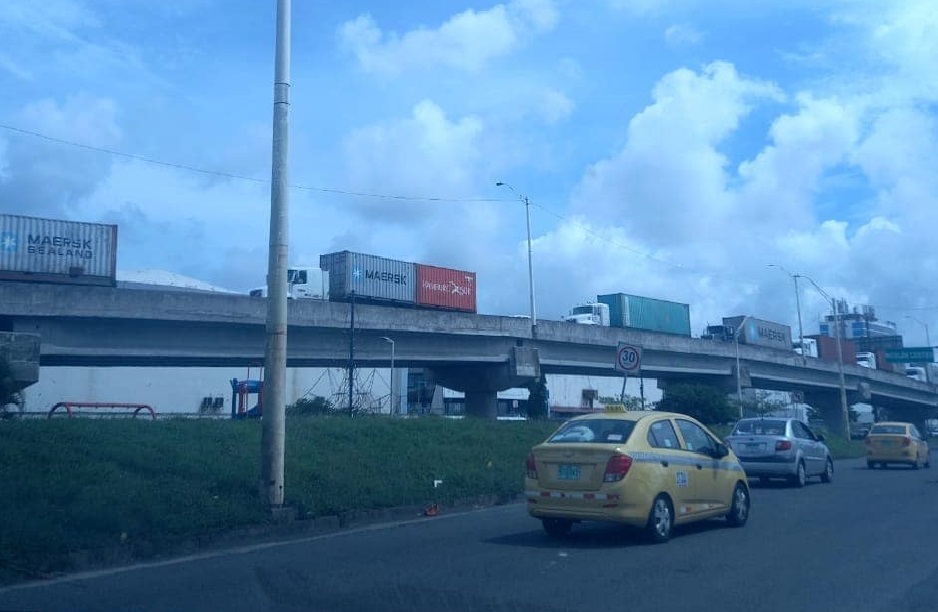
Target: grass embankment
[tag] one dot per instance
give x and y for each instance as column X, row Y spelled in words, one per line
column 144, row 487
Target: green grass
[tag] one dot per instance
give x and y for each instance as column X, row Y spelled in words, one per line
column 70, row 486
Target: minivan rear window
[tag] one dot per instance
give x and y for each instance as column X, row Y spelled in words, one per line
column 607, row 431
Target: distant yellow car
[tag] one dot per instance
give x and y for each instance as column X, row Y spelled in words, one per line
column 652, row 470
column 896, row 442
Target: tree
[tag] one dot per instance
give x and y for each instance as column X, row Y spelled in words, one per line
column 707, row 404
column 314, row 406
column 538, row 396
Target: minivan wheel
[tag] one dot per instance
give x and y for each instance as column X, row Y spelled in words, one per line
column 556, row 527
column 828, row 474
column 660, row 520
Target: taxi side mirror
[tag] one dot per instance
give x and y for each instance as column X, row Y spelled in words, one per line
column 721, row 451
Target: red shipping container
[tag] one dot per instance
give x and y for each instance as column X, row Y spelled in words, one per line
column 446, row 288
column 827, row 349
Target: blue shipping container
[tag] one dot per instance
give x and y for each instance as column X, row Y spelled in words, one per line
column 649, row 314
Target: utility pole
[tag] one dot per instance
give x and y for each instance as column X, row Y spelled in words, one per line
column 275, row 358
column 351, row 357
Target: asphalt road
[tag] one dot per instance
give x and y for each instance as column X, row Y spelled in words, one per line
column 869, row 541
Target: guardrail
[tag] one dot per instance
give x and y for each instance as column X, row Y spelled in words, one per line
column 137, row 408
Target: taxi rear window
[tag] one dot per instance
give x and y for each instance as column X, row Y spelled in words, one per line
column 888, row 429
column 608, row 431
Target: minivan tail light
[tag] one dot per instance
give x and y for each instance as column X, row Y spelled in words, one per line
column 617, row 467
column 783, row 445
column 530, row 467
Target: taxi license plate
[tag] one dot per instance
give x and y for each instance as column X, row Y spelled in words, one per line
column 566, row 471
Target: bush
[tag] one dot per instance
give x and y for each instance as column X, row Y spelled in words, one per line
column 315, row 406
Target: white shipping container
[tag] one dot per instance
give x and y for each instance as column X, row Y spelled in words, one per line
column 53, row 250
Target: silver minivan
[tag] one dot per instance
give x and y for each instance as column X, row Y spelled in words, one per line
column 780, row 448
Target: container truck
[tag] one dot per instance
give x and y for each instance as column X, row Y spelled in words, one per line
column 759, row 332
column 633, row 311
column 379, row 280
column 302, row 283
column 590, row 313
column 57, row 251
column 827, row 349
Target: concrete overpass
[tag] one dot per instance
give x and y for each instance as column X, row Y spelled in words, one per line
column 476, row 354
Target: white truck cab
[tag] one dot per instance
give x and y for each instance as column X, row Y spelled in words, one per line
column 866, row 359
column 592, row 313
column 302, row 283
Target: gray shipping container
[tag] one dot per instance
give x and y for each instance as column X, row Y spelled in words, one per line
column 650, row 314
column 761, row 333
column 52, row 250
column 369, row 277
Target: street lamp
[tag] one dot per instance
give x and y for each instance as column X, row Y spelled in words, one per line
column 795, row 277
column 391, row 407
column 840, row 359
column 527, row 214
column 739, row 386
column 928, row 342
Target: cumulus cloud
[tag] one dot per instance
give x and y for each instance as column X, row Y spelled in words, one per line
column 425, row 153
column 42, row 177
column 671, row 162
column 468, row 41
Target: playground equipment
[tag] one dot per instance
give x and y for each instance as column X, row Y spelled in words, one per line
column 241, row 392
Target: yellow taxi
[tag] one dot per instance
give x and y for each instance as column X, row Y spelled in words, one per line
column 652, row 470
column 896, row 442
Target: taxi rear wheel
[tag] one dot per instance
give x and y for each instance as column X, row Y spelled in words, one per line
column 557, row 528
column 739, row 510
column 660, row 520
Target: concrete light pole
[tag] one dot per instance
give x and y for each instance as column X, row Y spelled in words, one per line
column 739, row 386
column 845, row 409
column 527, row 213
column 391, row 402
column 275, row 358
column 795, row 277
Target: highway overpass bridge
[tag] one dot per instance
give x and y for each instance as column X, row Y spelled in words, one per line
column 476, row 354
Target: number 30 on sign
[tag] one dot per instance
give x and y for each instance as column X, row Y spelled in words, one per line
column 629, row 358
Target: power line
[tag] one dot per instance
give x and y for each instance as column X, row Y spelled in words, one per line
column 587, row 229
column 241, row 177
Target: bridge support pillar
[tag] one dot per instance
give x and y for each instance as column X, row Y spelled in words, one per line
column 482, row 404
column 481, row 382
column 828, row 405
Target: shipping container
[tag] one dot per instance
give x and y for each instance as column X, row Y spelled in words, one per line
column 369, row 278
column 446, row 288
column 827, row 349
column 649, row 314
column 53, row 250
column 759, row 332
column 883, row 364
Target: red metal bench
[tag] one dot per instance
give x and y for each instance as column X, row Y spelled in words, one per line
column 115, row 405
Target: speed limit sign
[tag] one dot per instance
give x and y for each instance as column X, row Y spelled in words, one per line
column 629, row 358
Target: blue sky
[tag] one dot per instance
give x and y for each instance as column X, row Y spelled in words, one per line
column 669, row 148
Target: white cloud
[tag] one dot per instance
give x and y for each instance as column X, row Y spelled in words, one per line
column 468, row 41
column 682, row 34
column 46, row 178
column 671, row 162
column 555, row 106
column 426, row 153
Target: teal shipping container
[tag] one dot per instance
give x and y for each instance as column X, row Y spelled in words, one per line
column 649, row 314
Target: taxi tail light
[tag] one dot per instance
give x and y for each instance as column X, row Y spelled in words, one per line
column 617, row 467
column 530, row 467
column 906, row 441
column 783, row 445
